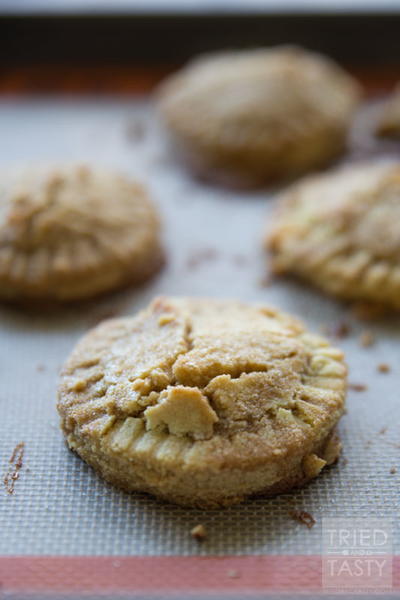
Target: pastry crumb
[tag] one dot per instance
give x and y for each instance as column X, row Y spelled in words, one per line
column 367, row 339
column 332, row 450
column 83, row 172
column 135, row 130
column 265, row 280
column 233, row 573
column 165, row 319
column 313, row 465
column 338, row 330
column 199, row 533
column 393, row 471
column 324, row 329
column 341, row 330
column 239, row 260
column 40, row 367
column 200, row 256
column 383, row 368
column 303, row 517
column 357, row 387
column 383, row 430
column 16, row 464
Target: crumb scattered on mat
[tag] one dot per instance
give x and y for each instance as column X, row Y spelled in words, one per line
column 200, row 256
column 383, row 368
column 135, row 130
column 338, row 330
column 239, row 260
column 199, row 533
column 393, row 470
column 341, row 330
column 16, row 464
column 367, row 339
column 233, row 573
column 266, row 280
column 357, row 387
column 303, row 517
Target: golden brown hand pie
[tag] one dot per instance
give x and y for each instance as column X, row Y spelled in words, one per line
column 341, row 232
column 74, row 232
column 259, row 115
column 203, row 402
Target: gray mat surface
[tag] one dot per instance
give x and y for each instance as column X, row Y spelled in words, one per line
column 60, row 506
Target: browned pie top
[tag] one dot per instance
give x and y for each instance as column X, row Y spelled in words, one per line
column 193, row 380
column 71, row 229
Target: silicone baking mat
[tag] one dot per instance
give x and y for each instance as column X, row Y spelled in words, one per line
column 63, row 530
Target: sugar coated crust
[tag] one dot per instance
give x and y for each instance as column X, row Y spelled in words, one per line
column 73, row 232
column 258, row 115
column 203, row 402
column 341, row 232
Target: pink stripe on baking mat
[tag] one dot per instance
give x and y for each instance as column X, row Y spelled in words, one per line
column 173, row 575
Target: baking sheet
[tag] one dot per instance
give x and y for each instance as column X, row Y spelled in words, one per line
column 212, row 235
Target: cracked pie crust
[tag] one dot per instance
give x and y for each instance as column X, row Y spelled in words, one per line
column 341, row 232
column 203, row 402
column 74, row 232
column 251, row 116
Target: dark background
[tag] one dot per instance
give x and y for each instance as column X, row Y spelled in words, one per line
column 131, row 52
